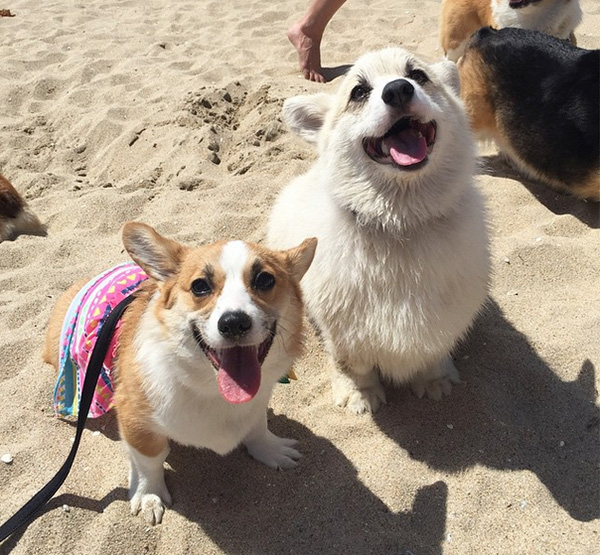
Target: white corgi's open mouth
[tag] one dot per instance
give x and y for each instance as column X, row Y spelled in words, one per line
column 407, row 144
column 238, row 367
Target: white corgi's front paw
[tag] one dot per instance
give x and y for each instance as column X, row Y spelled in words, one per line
column 437, row 382
column 151, row 505
column 360, row 401
column 274, row 451
column 366, row 398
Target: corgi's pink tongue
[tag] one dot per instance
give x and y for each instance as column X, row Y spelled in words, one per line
column 239, row 374
column 407, row 147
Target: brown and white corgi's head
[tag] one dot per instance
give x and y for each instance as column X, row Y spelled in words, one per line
column 222, row 308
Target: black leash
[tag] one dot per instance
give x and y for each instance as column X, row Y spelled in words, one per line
column 26, row 513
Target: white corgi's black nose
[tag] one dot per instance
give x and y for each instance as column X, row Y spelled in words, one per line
column 233, row 325
column 397, row 93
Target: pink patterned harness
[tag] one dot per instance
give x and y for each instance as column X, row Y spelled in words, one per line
column 83, row 321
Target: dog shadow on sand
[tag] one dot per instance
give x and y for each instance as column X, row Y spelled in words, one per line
column 512, row 413
column 247, row 508
column 319, row 507
column 588, row 212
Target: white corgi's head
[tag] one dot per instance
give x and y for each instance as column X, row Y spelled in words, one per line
column 394, row 122
column 229, row 302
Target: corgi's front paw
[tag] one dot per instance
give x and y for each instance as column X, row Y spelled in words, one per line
column 360, row 401
column 366, row 397
column 437, row 382
column 151, row 506
column 147, row 489
column 274, row 451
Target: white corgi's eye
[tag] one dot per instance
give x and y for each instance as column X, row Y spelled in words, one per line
column 200, row 287
column 264, row 281
column 419, row 76
column 360, row 92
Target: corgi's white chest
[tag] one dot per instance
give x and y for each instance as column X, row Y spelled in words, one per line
column 405, row 297
column 383, row 298
column 210, row 423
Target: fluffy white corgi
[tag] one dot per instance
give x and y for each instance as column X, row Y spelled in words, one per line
column 403, row 265
column 198, row 352
column 16, row 218
column 461, row 18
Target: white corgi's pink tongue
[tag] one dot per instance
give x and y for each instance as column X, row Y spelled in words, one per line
column 239, row 374
column 407, row 147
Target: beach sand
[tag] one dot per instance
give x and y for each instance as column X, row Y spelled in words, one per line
column 169, row 113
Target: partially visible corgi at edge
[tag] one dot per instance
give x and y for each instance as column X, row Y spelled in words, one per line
column 16, row 218
column 198, row 351
column 461, row 18
column 402, row 267
column 538, row 98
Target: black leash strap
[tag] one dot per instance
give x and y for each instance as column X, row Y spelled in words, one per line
column 26, row 513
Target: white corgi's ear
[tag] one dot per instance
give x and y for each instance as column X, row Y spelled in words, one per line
column 448, row 74
column 305, row 114
column 300, row 258
column 158, row 256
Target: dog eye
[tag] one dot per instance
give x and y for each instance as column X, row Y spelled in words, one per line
column 419, row 76
column 201, row 287
column 264, row 281
column 360, row 92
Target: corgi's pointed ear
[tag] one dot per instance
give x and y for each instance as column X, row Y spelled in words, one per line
column 300, row 258
column 305, row 114
column 448, row 74
column 158, row 256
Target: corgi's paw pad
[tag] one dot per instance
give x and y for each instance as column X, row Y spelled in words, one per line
column 274, row 451
column 359, row 401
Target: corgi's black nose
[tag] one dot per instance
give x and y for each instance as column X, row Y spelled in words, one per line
column 233, row 325
column 397, row 93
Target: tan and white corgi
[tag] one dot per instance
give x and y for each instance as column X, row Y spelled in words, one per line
column 199, row 350
column 16, row 218
column 461, row 18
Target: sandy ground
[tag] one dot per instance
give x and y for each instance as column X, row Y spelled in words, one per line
column 168, row 113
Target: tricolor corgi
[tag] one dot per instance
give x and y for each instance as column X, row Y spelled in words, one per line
column 403, row 265
column 461, row 18
column 538, row 98
column 16, row 218
column 198, row 351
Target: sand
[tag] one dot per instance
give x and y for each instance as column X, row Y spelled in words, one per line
column 168, row 113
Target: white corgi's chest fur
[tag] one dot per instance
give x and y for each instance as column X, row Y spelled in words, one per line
column 391, row 301
column 182, row 390
column 555, row 17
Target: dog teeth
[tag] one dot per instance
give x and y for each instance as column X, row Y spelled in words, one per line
column 384, row 149
column 419, row 135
